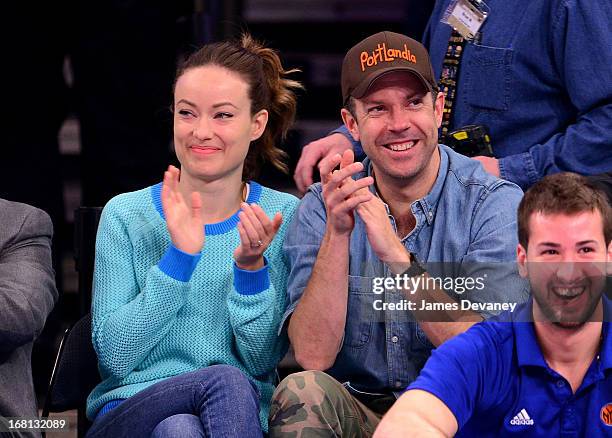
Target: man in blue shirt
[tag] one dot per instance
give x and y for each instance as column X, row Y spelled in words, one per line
column 538, row 78
column 412, row 200
column 546, row 369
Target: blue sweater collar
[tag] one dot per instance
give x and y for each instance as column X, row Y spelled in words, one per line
column 216, row 228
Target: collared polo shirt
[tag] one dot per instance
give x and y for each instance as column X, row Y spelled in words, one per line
column 496, row 382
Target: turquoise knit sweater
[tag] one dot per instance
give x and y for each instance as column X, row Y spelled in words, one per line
column 159, row 312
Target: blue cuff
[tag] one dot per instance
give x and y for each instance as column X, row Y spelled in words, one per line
column 519, row 169
column 178, row 264
column 357, row 149
column 251, row 282
column 109, row 406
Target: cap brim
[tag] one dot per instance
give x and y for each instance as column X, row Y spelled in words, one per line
column 362, row 89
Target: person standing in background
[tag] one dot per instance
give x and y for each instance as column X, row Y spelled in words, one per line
column 535, row 75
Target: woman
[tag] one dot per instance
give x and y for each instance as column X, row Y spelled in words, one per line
column 189, row 285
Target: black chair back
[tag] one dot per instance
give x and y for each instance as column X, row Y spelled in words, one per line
column 75, row 372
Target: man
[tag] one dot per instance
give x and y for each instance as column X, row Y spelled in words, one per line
column 545, row 370
column 536, row 77
column 412, row 200
column 27, row 296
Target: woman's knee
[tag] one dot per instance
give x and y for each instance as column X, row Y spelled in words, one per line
column 227, row 372
column 230, row 377
column 225, row 382
column 179, row 426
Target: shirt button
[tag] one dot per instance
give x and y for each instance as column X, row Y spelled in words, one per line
column 398, row 384
column 394, row 339
column 560, row 383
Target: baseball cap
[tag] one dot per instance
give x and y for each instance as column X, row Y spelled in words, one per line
column 382, row 53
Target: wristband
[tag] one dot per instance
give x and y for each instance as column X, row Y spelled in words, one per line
column 415, row 269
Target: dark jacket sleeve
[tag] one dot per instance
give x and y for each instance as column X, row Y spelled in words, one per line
column 27, row 283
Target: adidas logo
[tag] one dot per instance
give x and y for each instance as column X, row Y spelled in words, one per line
column 522, row 419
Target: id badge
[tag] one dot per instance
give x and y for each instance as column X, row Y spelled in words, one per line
column 466, row 16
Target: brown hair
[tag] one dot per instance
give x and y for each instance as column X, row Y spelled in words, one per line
column 563, row 193
column 269, row 89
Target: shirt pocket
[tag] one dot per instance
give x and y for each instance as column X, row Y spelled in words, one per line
column 360, row 313
column 488, row 78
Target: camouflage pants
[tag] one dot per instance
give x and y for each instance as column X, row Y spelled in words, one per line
column 314, row 404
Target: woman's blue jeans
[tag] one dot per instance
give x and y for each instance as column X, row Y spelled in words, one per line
column 217, row 401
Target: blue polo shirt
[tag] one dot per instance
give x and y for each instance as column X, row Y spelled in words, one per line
column 496, row 382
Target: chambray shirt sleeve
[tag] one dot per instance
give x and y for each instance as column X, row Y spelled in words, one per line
column 301, row 246
column 465, row 373
column 492, row 251
column 357, row 149
column 581, row 41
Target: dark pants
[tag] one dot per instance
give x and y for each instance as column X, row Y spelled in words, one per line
column 217, row 401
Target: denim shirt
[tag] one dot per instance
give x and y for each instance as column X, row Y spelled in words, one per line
column 540, row 79
column 468, row 217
